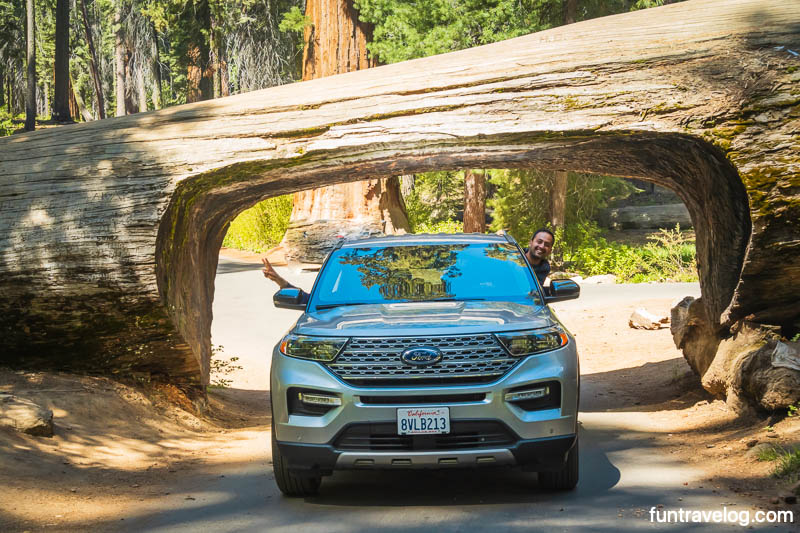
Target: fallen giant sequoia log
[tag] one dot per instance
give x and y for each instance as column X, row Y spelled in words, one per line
column 111, row 229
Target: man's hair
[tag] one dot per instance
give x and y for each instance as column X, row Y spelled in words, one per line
column 544, row 230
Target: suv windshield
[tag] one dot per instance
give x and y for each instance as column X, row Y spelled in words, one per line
column 425, row 272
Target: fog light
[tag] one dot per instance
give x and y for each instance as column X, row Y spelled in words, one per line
column 530, row 394
column 319, row 399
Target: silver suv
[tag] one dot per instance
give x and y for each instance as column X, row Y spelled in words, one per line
column 425, row 351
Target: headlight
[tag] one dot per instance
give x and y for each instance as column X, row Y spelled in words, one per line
column 519, row 343
column 315, row 348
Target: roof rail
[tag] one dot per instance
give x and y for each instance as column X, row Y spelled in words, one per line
column 339, row 242
column 508, row 237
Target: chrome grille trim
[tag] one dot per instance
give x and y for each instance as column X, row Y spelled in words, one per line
column 465, row 358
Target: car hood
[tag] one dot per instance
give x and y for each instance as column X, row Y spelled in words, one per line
column 425, row 318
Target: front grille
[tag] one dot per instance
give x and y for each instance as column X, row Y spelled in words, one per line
column 465, row 359
column 464, row 435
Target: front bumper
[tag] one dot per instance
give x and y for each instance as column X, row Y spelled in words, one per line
column 322, row 459
column 541, row 441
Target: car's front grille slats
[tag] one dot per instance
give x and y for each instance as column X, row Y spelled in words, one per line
column 463, row 435
column 465, row 359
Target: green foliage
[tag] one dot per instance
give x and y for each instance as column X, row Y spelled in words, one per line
column 443, row 226
column 788, row 461
column 767, row 454
column 521, row 202
column 792, row 411
column 670, row 256
column 438, row 198
column 294, row 21
column 10, row 123
column 262, row 226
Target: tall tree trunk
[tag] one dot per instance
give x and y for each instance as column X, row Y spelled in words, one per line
column 570, row 11
column 475, row 201
column 76, row 106
column 120, row 53
column 224, row 80
column 46, row 95
column 194, row 75
column 61, row 89
column 407, row 183
column 156, row 66
column 141, row 88
column 216, row 81
column 336, row 43
column 130, row 82
column 98, row 85
column 30, row 101
column 10, row 99
column 2, row 86
column 558, row 199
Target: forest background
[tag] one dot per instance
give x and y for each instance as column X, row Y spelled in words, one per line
column 99, row 58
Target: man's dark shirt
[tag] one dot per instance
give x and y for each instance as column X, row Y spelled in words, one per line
column 542, row 270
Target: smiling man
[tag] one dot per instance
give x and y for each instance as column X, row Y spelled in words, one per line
column 538, row 251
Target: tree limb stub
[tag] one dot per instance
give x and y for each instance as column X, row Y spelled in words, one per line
column 111, row 229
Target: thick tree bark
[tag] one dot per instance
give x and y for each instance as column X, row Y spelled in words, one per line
column 110, row 230
column 156, row 68
column 77, row 108
column 30, row 100
column 558, row 199
column 194, row 75
column 61, row 111
column 336, row 43
column 120, row 61
column 141, row 89
column 98, row 84
column 474, row 201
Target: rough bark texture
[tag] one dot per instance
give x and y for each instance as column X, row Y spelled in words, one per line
column 30, row 39
column 61, row 111
column 111, row 229
column 120, row 54
column 337, row 43
column 558, row 199
column 474, row 201
column 646, row 217
column 98, row 85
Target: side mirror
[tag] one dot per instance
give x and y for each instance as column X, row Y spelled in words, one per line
column 290, row 298
column 561, row 290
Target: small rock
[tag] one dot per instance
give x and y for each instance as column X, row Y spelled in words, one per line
column 772, row 435
column 775, row 501
column 756, row 450
column 789, row 498
column 752, row 443
column 643, row 319
column 709, row 445
column 25, row 416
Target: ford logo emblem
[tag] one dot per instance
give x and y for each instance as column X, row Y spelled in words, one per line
column 421, row 356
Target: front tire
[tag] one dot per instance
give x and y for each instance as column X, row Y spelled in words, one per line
column 567, row 477
column 290, row 484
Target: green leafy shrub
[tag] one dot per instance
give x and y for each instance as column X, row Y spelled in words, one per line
column 445, row 226
column 262, row 226
column 10, row 123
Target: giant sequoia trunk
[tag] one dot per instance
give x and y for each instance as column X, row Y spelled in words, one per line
column 337, row 43
column 110, row 230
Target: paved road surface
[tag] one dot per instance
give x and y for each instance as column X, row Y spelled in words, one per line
column 623, row 472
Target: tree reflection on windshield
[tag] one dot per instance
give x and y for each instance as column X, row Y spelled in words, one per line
column 407, row 272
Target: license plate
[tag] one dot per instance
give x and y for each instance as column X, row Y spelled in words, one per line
column 423, row 421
